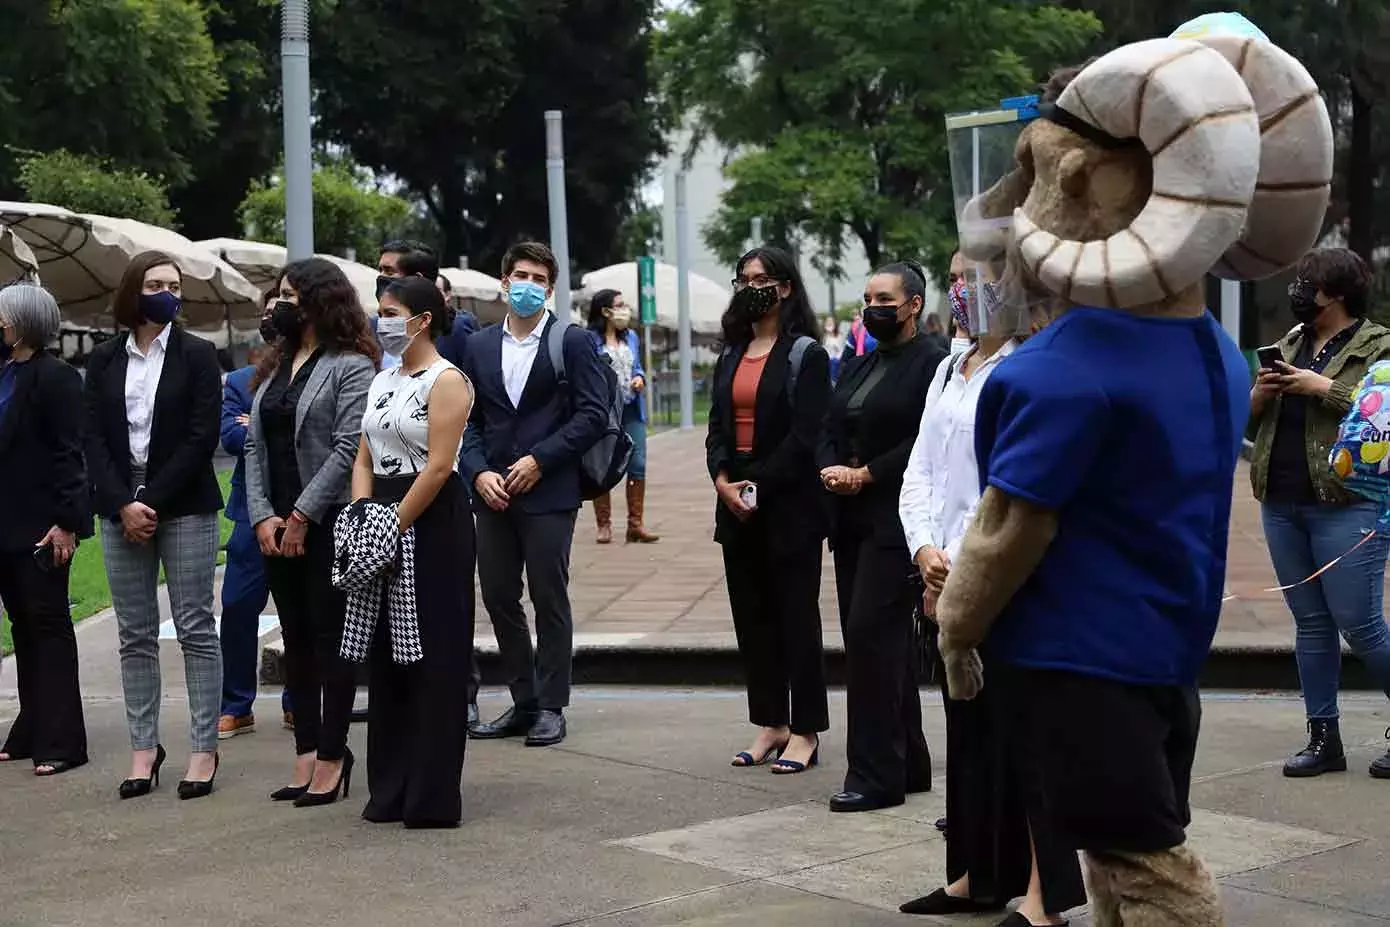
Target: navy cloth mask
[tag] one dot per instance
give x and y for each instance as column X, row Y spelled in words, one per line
column 160, row 308
column 526, row 298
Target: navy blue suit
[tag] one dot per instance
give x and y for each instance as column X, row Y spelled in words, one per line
column 452, row 344
column 244, row 590
column 535, row 531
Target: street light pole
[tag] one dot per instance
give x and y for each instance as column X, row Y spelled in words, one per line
column 687, row 377
column 299, row 163
column 559, row 219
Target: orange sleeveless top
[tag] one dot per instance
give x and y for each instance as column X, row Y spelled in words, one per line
column 746, row 379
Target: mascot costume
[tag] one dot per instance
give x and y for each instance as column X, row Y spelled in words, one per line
column 1108, row 442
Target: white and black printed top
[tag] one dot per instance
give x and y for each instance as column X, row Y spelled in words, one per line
column 397, row 420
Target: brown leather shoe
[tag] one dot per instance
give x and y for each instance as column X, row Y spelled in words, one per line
column 229, row 726
column 636, row 502
column 603, row 514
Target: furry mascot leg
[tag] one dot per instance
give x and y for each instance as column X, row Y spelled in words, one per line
column 1170, row 888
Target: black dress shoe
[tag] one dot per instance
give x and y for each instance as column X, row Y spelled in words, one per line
column 513, row 723
column 548, row 730
column 941, row 824
column 856, row 801
column 473, row 717
column 938, row 902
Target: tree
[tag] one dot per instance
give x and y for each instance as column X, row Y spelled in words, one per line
column 82, row 183
column 837, row 110
column 460, row 122
column 349, row 212
column 131, row 81
column 640, row 232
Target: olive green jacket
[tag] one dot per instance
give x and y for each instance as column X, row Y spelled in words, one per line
column 1346, row 370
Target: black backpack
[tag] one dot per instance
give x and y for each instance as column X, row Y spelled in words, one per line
column 604, row 464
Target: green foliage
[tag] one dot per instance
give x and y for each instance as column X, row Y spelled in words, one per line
column 349, row 211
column 640, row 232
column 837, row 109
column 86, row 184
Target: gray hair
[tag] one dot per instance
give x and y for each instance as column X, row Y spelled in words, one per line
column 32, row 312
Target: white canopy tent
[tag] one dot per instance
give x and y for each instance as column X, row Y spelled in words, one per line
column 261, row 263
column 708, row 300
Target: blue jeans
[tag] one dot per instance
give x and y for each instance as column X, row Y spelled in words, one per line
column 244, row 597
column 1345, row 601
column 636, row 430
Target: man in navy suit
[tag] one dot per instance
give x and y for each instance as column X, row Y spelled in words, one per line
column 521, row 454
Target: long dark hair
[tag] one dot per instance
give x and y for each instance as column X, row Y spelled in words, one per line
column 795, row 313
column 330, row 304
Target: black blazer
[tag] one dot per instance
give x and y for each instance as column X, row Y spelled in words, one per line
column 887, row 428
column 43, row 479
column 784, row 441
column 553, row 425
column 179, row 478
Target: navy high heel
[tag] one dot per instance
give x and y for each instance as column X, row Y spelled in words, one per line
column 790, row 767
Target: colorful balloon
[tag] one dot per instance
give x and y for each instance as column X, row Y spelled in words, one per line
column 1361, row 456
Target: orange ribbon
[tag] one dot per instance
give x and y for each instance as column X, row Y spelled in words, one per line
column 1235, row 595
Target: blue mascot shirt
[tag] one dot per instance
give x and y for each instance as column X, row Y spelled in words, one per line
column 1130, row 429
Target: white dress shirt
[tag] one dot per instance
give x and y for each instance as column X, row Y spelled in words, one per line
column 941, row 487
column 518, row 357
column 142, row 374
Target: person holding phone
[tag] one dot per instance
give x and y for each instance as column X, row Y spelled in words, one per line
column 44, row 495
column 1305, row 386
column 771, row 389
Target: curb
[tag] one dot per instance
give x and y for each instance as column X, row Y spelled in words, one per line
column 1228, row 667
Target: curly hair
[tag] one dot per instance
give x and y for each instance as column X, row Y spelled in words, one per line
column 331, row 306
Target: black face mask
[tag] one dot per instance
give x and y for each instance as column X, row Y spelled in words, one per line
column 752, row 302
column 268, row 330
column 1303, row 300
column 882, row 322
column 287, row 318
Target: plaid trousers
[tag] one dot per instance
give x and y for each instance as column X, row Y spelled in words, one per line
column 187, row 547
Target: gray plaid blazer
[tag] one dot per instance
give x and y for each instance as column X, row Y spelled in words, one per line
column 327, row 428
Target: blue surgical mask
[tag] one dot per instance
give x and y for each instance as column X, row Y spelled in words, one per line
column 526, row 298
column 160, row 308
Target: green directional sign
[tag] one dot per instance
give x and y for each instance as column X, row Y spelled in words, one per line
column 646, row 289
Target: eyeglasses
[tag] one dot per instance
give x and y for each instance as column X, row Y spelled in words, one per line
column 758, row 282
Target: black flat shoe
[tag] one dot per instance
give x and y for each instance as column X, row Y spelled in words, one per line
column 940, row 903
column 191, row 788
column 548, row 730
column 344, row 783
column 134, row 788
column 856, row 801
column 56, row 767
column 513, row 723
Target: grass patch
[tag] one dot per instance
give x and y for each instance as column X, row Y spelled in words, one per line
column 87, row 588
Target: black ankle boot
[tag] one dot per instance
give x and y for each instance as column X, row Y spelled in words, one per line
column 1380, row 766
column 1323, row 753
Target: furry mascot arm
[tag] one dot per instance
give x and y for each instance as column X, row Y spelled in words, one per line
column 1003, row 546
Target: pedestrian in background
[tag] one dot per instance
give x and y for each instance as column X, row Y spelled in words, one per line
column 610, row 320
column 1310, row 520
column 152, row 397
column 869, row 432
column 771, row 388
column 306, row 419
column 47, row 504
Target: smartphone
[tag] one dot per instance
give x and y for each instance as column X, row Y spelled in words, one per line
column 748, row 495
column 43, row 557
column 1270, row 358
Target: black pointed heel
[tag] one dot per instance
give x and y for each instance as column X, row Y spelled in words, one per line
column 344, row 783
column 188, row 788
column 134, row 788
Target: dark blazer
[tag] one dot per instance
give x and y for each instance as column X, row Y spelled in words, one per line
column 43, row 479
column 553, row 426
column 887, row 428
column 784, row 442
column 179, row 477
column 452, row 344
column 236, row 400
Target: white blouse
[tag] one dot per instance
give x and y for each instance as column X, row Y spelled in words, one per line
column 397, row 420
column 941, row 487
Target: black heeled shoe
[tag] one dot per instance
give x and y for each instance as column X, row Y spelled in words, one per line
column 188, row 788
column 344, row 783
column 288, row 793
column 134, row 788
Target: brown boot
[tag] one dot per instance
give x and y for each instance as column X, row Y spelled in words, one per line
column 603, row 514
column 636, row 498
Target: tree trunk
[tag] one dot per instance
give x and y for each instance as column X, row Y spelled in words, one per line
column 449, row 215
column 1361, row 178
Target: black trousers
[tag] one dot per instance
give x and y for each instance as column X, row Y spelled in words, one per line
column 509, row 543
column 321, row 683
column 50, row 724
column 417, row 726
column 888, row 754
column 1114, row 759
column 993, row 803
column 775, row 600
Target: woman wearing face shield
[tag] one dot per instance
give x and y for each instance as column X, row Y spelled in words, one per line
column 869, row 431
column 993, row 853
column 610, row 320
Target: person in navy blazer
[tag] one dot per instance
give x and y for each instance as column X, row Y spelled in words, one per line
column 521, row 455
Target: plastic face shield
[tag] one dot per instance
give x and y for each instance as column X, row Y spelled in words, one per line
column 981, row 146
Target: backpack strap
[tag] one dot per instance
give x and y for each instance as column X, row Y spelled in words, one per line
column 555, row 347
column 797, row 359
